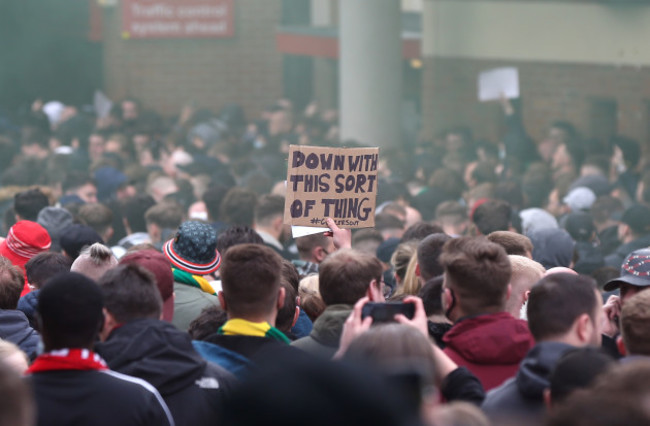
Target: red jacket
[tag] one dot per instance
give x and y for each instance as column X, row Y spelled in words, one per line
column 491, row 346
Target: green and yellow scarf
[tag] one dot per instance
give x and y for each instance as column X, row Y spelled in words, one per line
column 241, row 327
column 197, row 281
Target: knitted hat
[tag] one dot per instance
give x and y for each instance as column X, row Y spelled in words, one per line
column 194, row 249
column 156, row 263
column 77, row 236
column 25, row 240
column 54, row 220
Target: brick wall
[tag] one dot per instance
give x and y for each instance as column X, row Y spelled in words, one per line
column 549, row 91
column 164, row 74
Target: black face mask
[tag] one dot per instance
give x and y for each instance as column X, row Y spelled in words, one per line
column 452, row 305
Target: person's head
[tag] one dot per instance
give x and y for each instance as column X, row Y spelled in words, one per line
column 156, row 263
column 477, row 273
column 452, row 217
column 348, row 275
column 419, row 231
column 492, row 215
column 25, row 240
column 17, row 402
column 212, row 198
column 366, row 240
column 163, row 216
column 565, row 308
column 513, row 243
column 77, row 236
column 237, row 234
column 401, row 258
column 552, row 247
column 12, row 356
column 635, row 325
column 54, row 220
column 288, row 314
column 207, row 323
column 428, row 252
column 250, row 277
column 133, row 211
column 93, row 261
column 576, row 369
column 400, row 352
column 315, row 247
column 604, row 209
column 634, row 276
column 11, row 284
column 70, row 312
column 269, row 214
column 80, row 184
column 525, row 273
column 99, row 217
column 460, row 413
column 130, row 293
column 431, row 293
column 238, row 207
column 43, row 266
column 634, row 223
column 194, row 249
column 28, row 203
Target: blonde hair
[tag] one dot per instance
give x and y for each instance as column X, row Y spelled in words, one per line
column 401, row 258
column 411, row 284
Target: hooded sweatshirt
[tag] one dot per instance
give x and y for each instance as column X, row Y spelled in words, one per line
column 523, row 395
column 15, row 328
column 157, row 352
column 326, row 334
column 552, row 247
column 491, row 346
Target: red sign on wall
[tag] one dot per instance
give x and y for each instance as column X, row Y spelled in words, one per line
column 177, row 18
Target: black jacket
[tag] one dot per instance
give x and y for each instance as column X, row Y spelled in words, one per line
column 523, row 395
column 616, row 259
column 98, row 398
column 159, row 353
column 15, row 328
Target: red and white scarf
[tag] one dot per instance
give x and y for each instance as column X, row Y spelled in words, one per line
column 67, row 359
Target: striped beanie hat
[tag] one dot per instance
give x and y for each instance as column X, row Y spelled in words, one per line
column 25, row 240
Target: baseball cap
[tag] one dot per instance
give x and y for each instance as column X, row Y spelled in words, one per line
column 580, row 226
column 634, row 271
column 580, row 199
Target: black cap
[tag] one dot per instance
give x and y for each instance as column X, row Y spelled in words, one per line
column 634, row 271
column 638, row 218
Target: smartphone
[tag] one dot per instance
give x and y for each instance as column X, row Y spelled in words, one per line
column 385, row 312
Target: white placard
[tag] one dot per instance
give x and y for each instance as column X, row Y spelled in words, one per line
column 492, row 84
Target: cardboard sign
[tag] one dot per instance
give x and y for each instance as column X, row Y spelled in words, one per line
column 340, row 183
column 177, row 19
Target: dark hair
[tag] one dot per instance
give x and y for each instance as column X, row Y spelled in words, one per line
column 290, row 274
column 237, row 234
column 431, row 295
column 557, row 300
column 604, row 207
column 268, row 207
column 307, row 243
column 46, row 265
column 477, row 270
column 11, row 284
column 238, row 207
column 385, row 221
column 28, row 203
column 484, row 172
column 492, row 215
column 630, row 148
column 133, row 210
column 250, row 276
column 212, row 198
column 76, row 179
column 286, row 314
column 345, row 275
column 70, row 311
column 207, row 323
column 577, row 369
column 428, row 252
column 449, row 182
column 130, row 293
column 511, row 193
column 420, row 230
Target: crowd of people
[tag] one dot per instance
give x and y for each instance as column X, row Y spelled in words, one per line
column 147, row 276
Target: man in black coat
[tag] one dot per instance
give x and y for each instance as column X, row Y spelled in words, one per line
column 72, row 385
column 136, row 342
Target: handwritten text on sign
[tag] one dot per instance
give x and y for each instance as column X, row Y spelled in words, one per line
column 340, row 183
